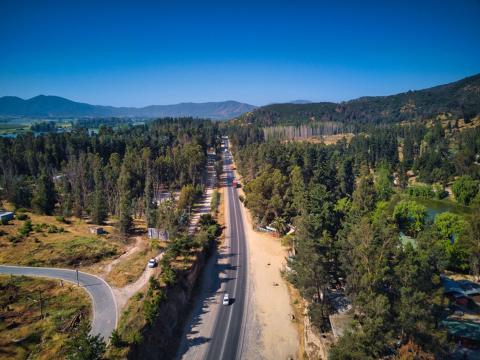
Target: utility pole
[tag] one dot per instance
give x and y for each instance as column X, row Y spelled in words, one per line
column 78, row 283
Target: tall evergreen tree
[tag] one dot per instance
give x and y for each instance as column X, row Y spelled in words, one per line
column 297, row 186
column 364, row 197
column 346, row 178
column 44, row 198
column 125, row 203
column 148, row 195
column 99, row 202
column 383, row 183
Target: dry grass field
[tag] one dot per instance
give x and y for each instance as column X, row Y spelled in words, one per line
column 39, row 240
column 24, row 332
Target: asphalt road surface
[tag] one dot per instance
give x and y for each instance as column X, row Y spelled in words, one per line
column 215, row 331
column 227, row 338
column 104, row 306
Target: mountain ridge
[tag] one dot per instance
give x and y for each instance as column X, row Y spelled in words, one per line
column 457, row 99
column 56, row 106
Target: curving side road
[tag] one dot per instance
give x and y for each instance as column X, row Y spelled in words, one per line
column 104, row 305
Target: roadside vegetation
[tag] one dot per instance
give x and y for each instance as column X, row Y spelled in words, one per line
column 375, row 223
column 39, row 317
column 145, row 308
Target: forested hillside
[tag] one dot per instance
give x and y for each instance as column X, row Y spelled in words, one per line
column 459, row 99
column 362, row 230
column 116, row 172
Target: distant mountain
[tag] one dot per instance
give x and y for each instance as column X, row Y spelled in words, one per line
column 54, row 106
column 459, row 99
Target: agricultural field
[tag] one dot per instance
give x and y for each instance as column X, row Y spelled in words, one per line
column 12, row 128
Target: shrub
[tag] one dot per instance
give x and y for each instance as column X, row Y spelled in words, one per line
column 21, row 210
column 13, row 239
column 138, row 296
column 168, row 275
column 215, row 201
column 421, row 191
column 115, row 339
column 134, row 338
column 26, row 228
column 62, row 219
column 21, row 216
column 465, row 189
column 206, row 220
column 39, row 227
column 440, row 192
column 155, row 244
column 53, row 229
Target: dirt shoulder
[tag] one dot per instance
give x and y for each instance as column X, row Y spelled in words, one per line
column 277, row 336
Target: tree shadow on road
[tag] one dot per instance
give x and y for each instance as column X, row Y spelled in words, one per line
column 206, row 293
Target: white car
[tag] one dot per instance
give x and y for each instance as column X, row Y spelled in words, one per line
column 152, row 263
column 226, row 299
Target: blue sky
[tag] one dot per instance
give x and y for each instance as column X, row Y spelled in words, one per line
column 139, row 53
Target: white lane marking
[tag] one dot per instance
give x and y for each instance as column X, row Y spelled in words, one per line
column 237, row 263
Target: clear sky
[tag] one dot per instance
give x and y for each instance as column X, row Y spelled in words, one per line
column 160, row 52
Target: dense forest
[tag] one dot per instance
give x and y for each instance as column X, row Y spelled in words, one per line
column 115, row 173
column 357, row 227
column 459, row 99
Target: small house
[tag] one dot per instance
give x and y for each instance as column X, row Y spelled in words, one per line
column 158, row 234
column 97, row 230
column 6, row 216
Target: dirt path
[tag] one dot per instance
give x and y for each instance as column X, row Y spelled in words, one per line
column 132, row 250
column 122, row 295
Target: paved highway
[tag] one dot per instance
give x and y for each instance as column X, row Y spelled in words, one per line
column 104, row 306
column 227, row 337
column 215, row 331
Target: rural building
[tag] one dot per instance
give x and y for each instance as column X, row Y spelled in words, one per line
column 464, row 296
column 6, row 215
column 97, row 230
column 158, row 234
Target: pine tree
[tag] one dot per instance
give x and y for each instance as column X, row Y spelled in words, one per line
column 99, row 202
column 346, row 178
column 125, row 203
column 364, row 197
column 149, row 206
column 44, row 199
column 298, row 189
column 83, row 346
column 383, row 183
